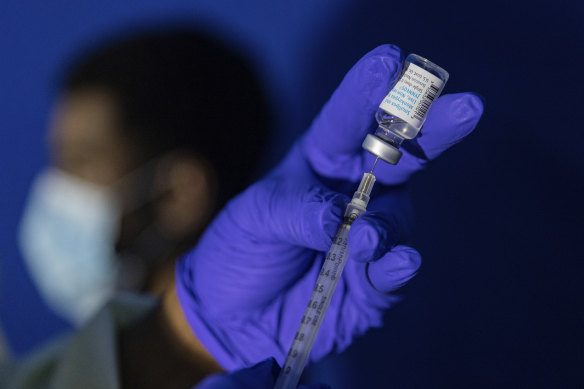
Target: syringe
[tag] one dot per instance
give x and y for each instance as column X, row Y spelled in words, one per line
column 398, row 121
column 324, row 288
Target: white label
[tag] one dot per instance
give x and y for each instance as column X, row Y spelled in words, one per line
column 411, row 98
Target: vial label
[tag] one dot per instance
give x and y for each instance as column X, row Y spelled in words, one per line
column 411, row 98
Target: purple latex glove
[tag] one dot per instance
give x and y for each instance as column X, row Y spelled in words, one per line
column 260, row 376
column 331, row 148
column 244, row 287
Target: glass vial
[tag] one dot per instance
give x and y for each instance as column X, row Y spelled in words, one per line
column 403, row 111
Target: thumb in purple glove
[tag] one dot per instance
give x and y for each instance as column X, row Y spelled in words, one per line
column 244, row 287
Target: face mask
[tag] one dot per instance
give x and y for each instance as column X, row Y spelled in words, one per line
column 67, row 237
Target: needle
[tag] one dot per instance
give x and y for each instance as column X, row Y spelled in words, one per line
column 375, row 163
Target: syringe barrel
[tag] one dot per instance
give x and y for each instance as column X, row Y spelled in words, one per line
column 322, row 293
column 318, row 304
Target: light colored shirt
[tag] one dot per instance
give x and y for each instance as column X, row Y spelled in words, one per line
column 86, row 359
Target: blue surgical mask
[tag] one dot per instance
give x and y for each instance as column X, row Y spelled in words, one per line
column 67, row 237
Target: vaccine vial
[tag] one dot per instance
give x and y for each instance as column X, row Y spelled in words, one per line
column 403, row 111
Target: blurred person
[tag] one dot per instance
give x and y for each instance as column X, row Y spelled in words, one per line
column 238, row 294
column 149, row 136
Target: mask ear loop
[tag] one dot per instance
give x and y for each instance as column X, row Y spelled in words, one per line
column 141, row 180
column 149, row 248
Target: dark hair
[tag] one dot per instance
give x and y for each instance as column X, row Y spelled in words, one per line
column 180, row 89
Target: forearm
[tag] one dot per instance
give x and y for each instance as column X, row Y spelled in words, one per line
column 161, row 351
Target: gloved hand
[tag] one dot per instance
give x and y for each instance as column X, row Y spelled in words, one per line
column 260, row 376
column 331, row 148
column 244, row 287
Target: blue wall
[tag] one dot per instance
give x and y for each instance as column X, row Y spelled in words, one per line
column 36, row 39
column 498, row 301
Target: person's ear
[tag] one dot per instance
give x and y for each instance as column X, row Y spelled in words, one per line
column 188, row 184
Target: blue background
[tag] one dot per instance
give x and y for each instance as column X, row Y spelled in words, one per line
column 499, row 299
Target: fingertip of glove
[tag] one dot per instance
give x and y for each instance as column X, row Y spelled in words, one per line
column 409, row 257
column 383, row 62
column 451, row 119
column 395, row 268
column 467, row 108
column 386, row 50
column 378, row 69
column 481, row 98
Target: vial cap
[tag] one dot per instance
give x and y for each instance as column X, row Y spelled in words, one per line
column 382, row 149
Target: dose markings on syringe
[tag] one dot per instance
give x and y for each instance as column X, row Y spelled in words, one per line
column 329, row 272
column 322, row 293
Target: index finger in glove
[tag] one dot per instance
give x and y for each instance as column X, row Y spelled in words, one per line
column 278, row 212
column 349, row 114
column 394, row 269
column 254, row 248
column 451, row 118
